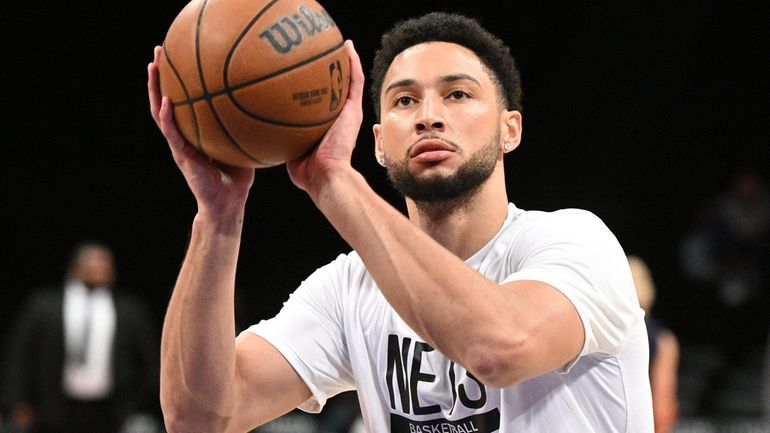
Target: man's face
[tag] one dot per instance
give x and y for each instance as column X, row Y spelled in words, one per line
column 440, row 131
column 94, row 267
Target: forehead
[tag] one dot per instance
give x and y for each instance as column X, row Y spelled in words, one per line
column 93, row 254
column 429, row 60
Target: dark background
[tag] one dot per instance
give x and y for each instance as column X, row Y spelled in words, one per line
column 637, row 111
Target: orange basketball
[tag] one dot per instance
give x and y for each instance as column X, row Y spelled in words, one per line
column 254, row 83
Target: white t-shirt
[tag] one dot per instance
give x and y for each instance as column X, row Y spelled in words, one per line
column 339, row 333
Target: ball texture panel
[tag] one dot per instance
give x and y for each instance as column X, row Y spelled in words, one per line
column 178, row 65
column 278, row 143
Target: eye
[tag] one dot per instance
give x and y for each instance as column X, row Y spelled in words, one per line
column 458, row 95
column 404, row 100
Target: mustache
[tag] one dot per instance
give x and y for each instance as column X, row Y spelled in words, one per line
column 451, row 143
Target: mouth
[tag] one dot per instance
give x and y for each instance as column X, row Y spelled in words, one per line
column 432, row 149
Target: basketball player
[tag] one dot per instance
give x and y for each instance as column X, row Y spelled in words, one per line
column 470, row 315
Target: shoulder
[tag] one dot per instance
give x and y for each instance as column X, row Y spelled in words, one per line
column 576, row 227
column 559, row 220
column 668, row 341
column 343, row 281
column 345, row 268
column 664, row 337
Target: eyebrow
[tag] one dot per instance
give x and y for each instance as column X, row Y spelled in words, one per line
column 400, row 83
column 458, row 77
column 406, row 82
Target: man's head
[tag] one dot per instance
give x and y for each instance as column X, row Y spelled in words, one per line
column 448, row 100
column 645, row 287
column 457, row 29
column 92, row 263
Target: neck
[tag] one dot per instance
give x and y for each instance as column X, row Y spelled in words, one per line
column 466, row 224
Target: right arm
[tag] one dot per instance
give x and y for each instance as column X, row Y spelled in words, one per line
column 209, row 381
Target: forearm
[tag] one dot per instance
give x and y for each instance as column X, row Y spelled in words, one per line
column 197, row 345
column 432, row 289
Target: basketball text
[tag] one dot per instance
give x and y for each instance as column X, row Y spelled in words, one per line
column 409, row 365
column 407, row 373
column 290, row 31
column 309, row 97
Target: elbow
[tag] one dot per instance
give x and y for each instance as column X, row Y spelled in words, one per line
column 189, row 419
column 185, row 411
column 176, row 423
column 498, row 365
column 173, row 423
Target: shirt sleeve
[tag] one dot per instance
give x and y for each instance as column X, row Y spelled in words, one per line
column 576, row 253
column 308, row 331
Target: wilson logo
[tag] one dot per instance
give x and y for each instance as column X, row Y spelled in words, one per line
column 290, row 31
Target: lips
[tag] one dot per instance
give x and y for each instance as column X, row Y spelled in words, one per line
column 430, row 145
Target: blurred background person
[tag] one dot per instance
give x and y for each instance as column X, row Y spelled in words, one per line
column 82, row 357
column 726, row 255
column 664, row 352
column 728, row 250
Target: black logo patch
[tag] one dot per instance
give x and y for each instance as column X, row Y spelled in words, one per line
column 480, row 423
column 335, row 75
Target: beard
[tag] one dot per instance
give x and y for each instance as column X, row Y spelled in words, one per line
column 454, row 188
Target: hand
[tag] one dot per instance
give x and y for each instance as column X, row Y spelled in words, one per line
column 23, row 417
column 336, row 148
column 217, row 187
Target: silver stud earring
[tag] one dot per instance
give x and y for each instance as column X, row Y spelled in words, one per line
column 507, row 146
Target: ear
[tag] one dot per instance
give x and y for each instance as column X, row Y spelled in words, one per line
column 511, row 130
column 379, row 152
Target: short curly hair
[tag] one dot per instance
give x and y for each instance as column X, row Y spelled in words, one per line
column 454, row 28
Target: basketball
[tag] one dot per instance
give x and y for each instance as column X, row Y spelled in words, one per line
column 254, row 83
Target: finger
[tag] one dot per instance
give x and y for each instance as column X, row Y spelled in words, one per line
column 356, row 91
column 166, row 117
column 153, row 88
column 152, row 91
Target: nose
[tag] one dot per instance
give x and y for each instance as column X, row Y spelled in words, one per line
column 430, row 117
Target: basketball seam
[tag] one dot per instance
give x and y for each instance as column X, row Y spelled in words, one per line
column 227, row 89
column 240, row 38
column 278, row 122
column 208, row 97
column 187, row 94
